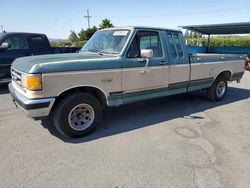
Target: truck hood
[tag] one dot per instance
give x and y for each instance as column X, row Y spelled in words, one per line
column 64, row 62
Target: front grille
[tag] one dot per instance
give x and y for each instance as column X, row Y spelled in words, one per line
column 16, row 76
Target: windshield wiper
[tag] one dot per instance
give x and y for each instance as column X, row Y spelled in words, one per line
column 110, row 52
column 94, row 51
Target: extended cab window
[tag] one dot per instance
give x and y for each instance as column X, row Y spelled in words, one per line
column 38, row 44
column 37, row 40
column 172, row 46
column 175, row 45
column 178, row 45
column 17, row 43
column 145, row 40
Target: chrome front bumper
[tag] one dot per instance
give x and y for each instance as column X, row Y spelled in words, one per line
column 34, row 108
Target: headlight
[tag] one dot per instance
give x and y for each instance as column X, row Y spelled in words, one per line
column 32, row 82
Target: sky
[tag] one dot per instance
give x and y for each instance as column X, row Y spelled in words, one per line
column 56, row 18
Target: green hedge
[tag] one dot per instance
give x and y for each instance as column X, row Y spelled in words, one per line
column 67, row 44
column 220, row 41
column 215, row 41
column 79, row 43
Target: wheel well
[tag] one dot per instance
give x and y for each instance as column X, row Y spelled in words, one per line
column 226, row 74
column 92, row 90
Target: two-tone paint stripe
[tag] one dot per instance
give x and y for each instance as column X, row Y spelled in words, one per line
column 121, row 97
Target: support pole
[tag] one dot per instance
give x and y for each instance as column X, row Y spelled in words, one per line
column 88, row 17
column 208, row 43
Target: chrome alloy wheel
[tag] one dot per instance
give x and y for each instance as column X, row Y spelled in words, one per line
column 81, row 117
column 221, row 89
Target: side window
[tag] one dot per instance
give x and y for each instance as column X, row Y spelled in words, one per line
column 151, row 41
column 134, row 49
column 172, row 46
column 145, row 40
column 178, row 45
column 17, row 43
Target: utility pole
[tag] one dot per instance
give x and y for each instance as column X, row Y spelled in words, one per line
column 2, row 27
column 88, row 17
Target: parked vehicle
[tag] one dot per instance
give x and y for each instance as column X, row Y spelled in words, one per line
column 15, row 45
column 117, row 66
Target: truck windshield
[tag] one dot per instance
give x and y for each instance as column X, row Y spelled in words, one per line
column 107, row 41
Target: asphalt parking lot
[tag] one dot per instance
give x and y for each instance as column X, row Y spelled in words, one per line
column 179, row 141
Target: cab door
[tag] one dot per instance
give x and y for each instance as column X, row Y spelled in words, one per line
column 136, row 76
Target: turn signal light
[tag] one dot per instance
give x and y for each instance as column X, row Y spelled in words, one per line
column 32, row 82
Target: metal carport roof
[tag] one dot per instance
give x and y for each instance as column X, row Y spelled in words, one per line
column 217, row 29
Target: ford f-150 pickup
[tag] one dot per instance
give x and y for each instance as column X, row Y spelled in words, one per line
column 116, row 66
column 16, row 45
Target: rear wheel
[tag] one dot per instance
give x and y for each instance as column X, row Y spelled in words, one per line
column 218, row 89
column 77, row 114
column 247, row 66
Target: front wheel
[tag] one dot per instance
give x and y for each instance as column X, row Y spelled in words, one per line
column 77, row 114
column 218, row 89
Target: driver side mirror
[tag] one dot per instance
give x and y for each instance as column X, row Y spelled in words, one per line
column 4, row 45
column 147, row 53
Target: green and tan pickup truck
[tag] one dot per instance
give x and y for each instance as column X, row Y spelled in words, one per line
column 117, row 66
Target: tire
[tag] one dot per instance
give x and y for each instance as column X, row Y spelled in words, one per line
column 218, row 89
column 77, row 114
column 247, row 67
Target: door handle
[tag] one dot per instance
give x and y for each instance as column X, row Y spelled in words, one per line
column 163, row 62
column 141, row 60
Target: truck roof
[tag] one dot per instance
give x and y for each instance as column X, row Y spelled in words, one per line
column 16, row 33
column 142, row 27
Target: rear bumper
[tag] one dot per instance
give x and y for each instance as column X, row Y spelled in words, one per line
column 5, row 80
column 35, row 108
column 237, row 76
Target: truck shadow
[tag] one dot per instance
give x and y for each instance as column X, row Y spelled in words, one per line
column 149, row 113
column 4, row 89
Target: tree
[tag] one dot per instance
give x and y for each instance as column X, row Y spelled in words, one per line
column 187, row 34
column 195, row 35
column 106, row 23
column 89, row 32
column 73, row 37
column 82, row 35
column 86, row 34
